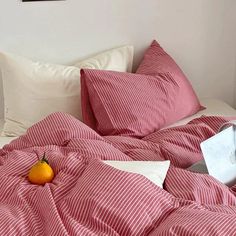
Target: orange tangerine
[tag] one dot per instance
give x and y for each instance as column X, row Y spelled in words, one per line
column 41, row 173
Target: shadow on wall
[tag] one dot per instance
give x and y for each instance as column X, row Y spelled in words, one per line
column 218, row 61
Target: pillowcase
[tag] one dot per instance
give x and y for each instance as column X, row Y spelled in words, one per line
column 118, row 103
column 137, row 104
column 33, row 90
column 155, row 171
column 118, row 59
column 156, row 61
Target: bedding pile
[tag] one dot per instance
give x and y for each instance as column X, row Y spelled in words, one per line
column 125, row 118
column 89, row 197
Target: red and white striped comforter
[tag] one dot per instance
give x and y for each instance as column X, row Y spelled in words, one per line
column 88, row 197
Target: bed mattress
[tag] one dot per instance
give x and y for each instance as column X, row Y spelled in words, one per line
column 213, row 107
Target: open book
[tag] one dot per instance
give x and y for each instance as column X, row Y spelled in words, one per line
column 219, row 154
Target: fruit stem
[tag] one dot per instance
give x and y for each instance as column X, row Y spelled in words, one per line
column 44, row 158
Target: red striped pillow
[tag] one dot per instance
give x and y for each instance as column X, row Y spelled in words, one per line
column 115, row 103
column 157, row 61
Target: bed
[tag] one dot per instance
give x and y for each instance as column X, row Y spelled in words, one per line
column 122, row 170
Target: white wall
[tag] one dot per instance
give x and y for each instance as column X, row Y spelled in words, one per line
column 200, row 35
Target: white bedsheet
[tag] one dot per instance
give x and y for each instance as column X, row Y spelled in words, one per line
column 4, row 140
column 213, row 107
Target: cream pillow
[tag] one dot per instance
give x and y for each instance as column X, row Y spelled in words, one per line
column 155, row 171
column 32, row 90
column 119, row 59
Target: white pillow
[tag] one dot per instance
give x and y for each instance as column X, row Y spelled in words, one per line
column 155, row 171
column 32, row 90
column 119, row 59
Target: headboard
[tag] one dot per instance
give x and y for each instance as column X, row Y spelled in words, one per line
column 65, row 31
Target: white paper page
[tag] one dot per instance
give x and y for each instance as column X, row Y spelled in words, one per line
column 219, row 154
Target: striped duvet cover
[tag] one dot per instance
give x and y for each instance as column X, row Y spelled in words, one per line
column 88, row 197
